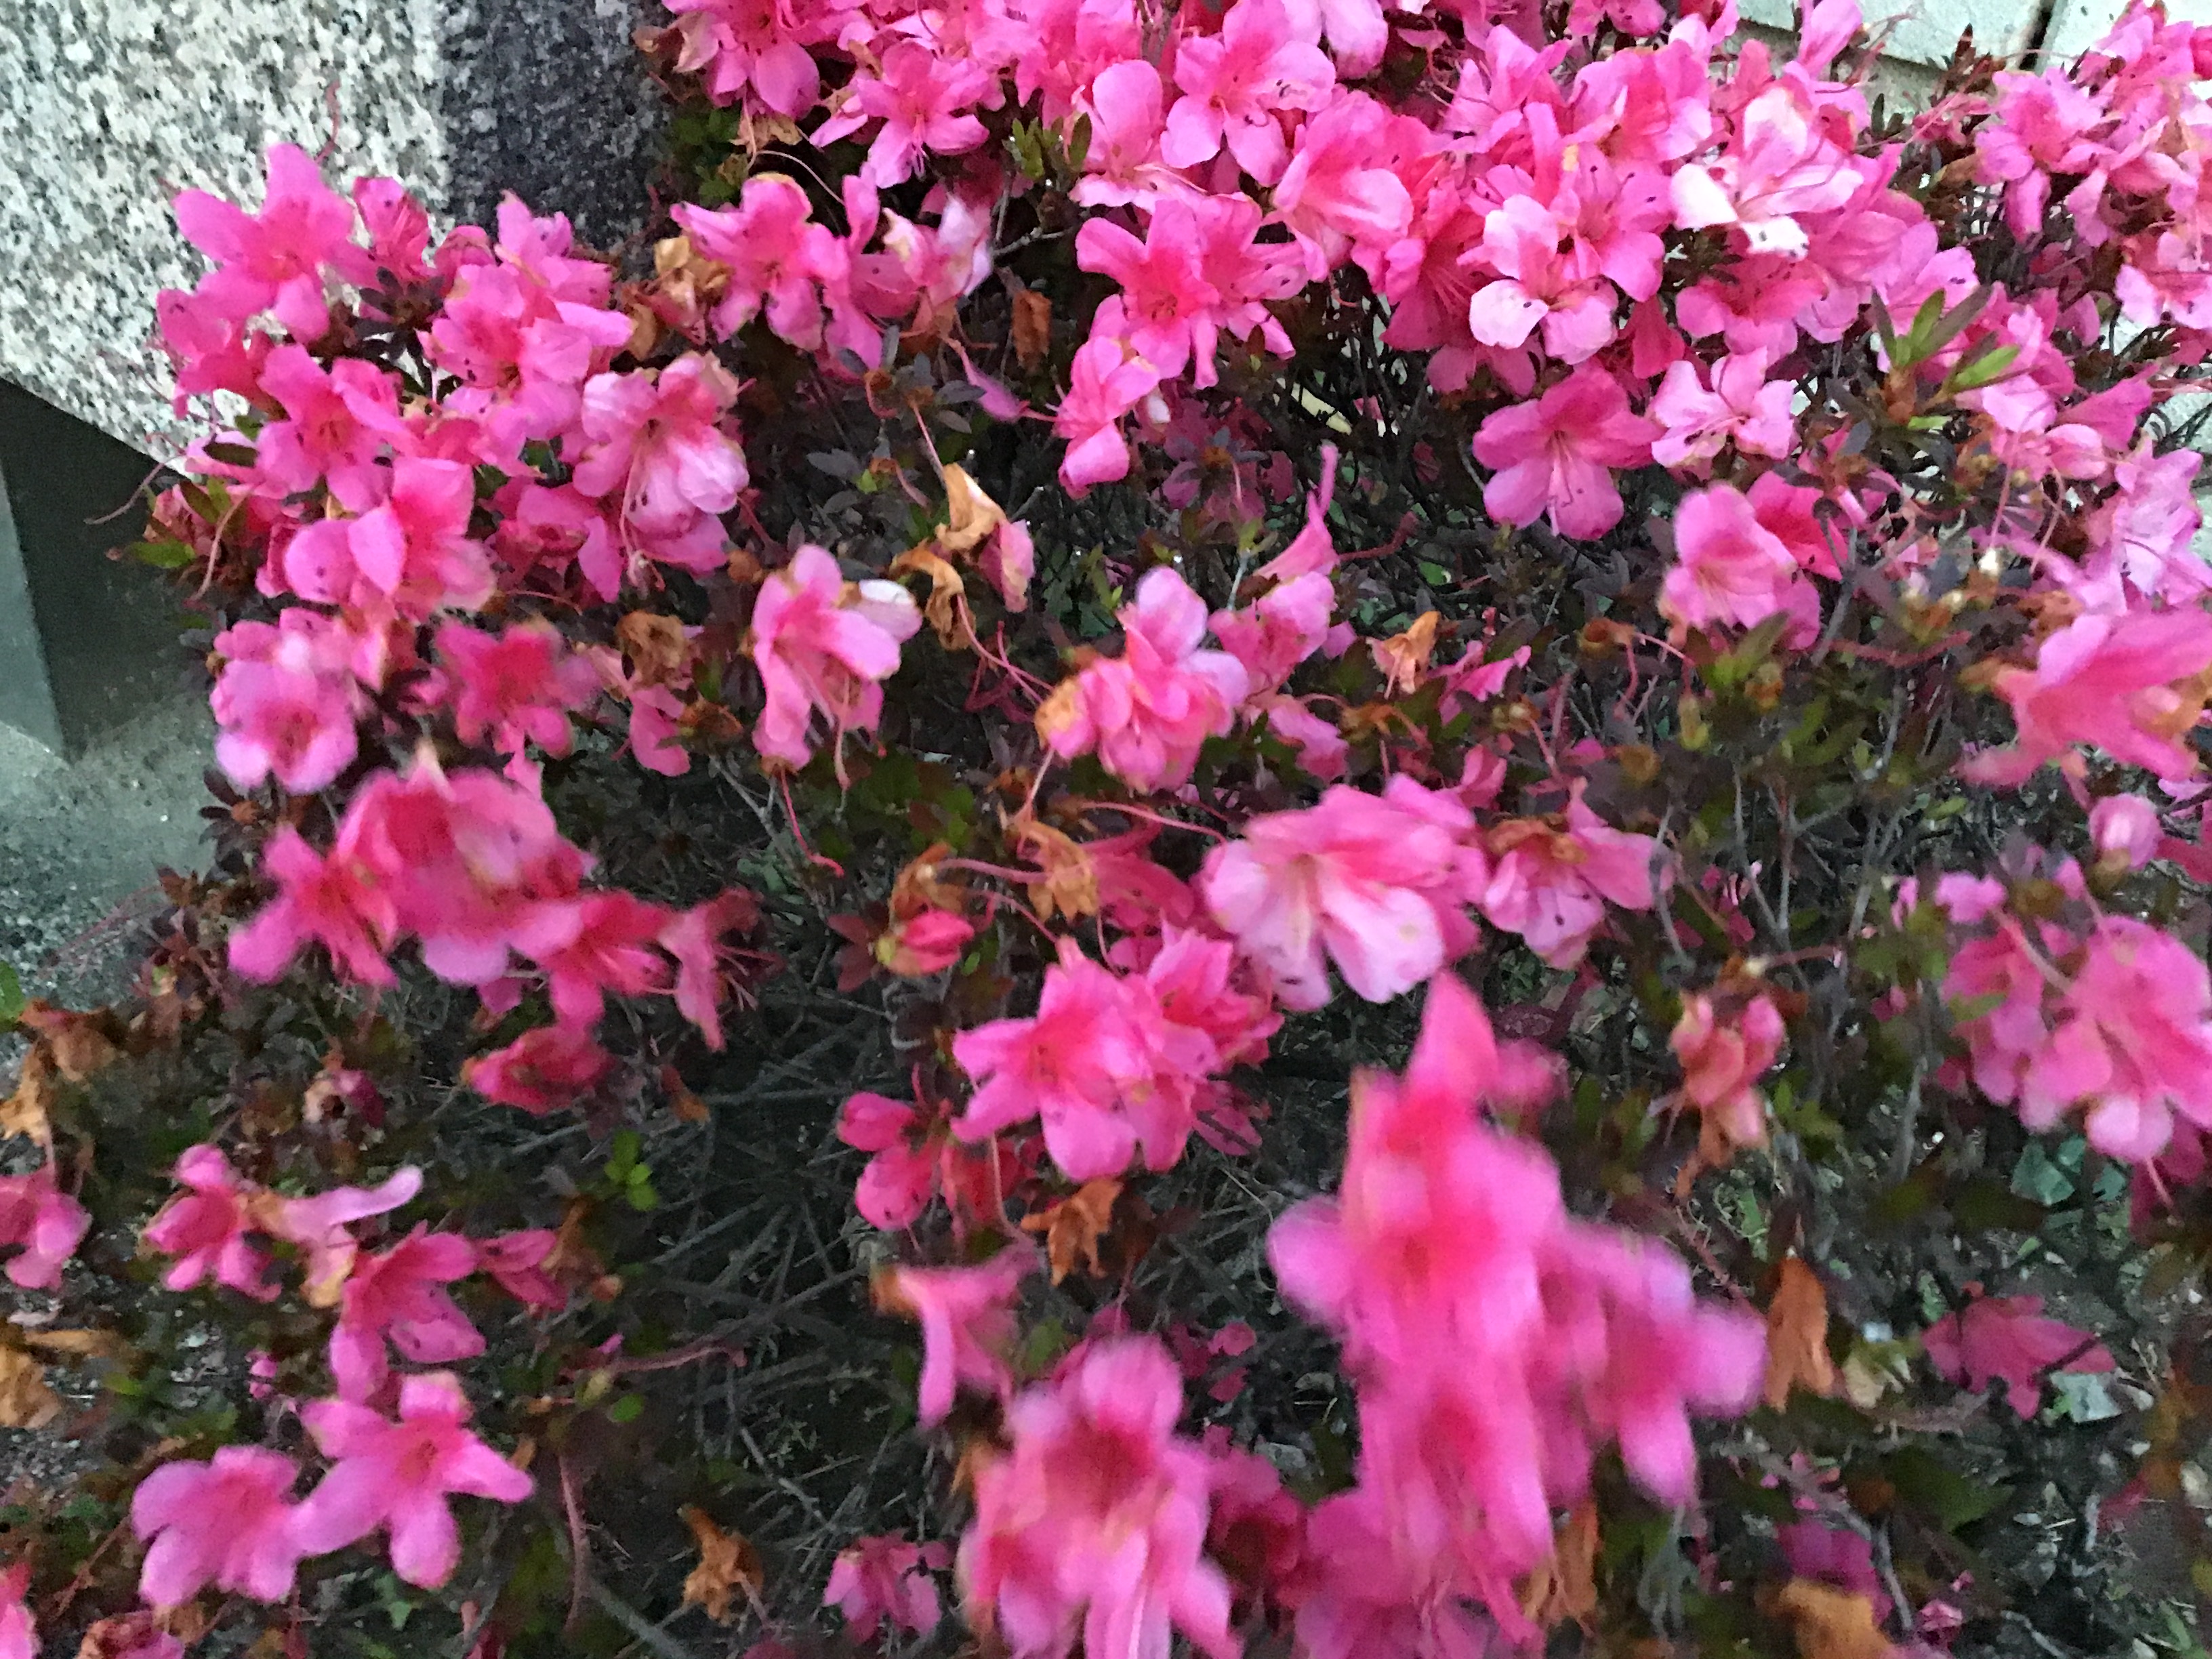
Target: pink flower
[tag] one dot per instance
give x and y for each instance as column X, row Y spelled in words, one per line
column 1537, row 286
column 338, row 421
column 1106, row 381
column 1098, row 1513
column 209, row 1227
column 1780, row 162
column 1722, row 1063
column 399, row 1475
column 1744, row 407
column 1339, row 195
column 226, row 1522
column 1552, row 456
column 514, row 687
column 546, row 1068
column 822, row 643
column 2125, row 828
column 1496, row 1342
column 901, row 1177
column 400, row 1294
column 1237, row 84
column 1730, row 569
column 885, row 1577
column 1378, row 885
column 411, row 555
column 322, row 1224
column 1070, row 1064
column 758, row 48
column 693, row 937
column 319, row 901
column 19, row 1636
column 657, row 442
column 778, row 257
column 516, row 1262
column 46, row 1223
column 2006, row 1336
column 279, row 258
column 1285, row 626
column 288, row 701
column 1835, row 1555
column 2132, row 684
column 1123, row 165
column 966, row 1320
column 601, row 941
column 922, row 101
column 1551, row 885
column 1148, row 711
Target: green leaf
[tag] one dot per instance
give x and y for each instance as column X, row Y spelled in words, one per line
column 1926, row 1483
column 11, row 994
column 1991, row 364
column 163, row 554
column 627, row 1409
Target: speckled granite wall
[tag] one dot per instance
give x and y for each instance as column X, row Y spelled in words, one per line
column 107, row 107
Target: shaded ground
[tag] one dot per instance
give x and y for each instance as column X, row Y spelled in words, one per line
column 80, row 841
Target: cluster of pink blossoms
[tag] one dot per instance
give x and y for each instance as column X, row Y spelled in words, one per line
column 231, row 1521
column 1496, row 1342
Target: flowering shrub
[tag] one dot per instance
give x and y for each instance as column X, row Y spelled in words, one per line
column 807, row 842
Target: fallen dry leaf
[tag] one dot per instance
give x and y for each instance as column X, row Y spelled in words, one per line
column 971, row 516
column 656, row 646
column 26, row 1401
column 77, row 1344
column 29, row 1109
column 1069, row 884
column 728, row 1563
column 1032, row 327
column 1566, row 1587
column 1830, row 1623
column 81, row 1044
column 1072, row 1228
column 1797, row 1335
column 946, row 590
column 1404, row 658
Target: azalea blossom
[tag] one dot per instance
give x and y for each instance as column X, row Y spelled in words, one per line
column 1550, row 882
column 823, row 644
column 1554, row 457
column 397, row 1476
column 885, row 1577
column 967, row 1320
column 399, row 1294
column 1095, row 1519
column 228, row 1522
column 2008, row 1337
column 46, row 1223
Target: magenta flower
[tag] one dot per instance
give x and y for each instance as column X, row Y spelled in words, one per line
column 885, row 1577
column 693, row 937
column 280, row 257
column 397, row 1476
column 777, row 256
column 822, row 643
column 966, row 1320
column 338, row 422
column 600, row 942
column 546, row 1067
column 1123, row 166
column 226, row 1522
column 1095, row 1520
column 400, row 1294
column 923, row 101
column 1730, row 570
column 2008, row 1337
column 1550, row 884
column 1166, row 301
column 900, row 1174
column 1340, row 196
column 318, row 902
column 657, row 444
column 322, row 1225
column 288, row 701
column 1070, row 1064
column 19, row 1636
column 1553, row 457
column 1238, row 84
column 2129, row 684
column 1378, row 885
column 46, row 1223
column 516, row 1262
column 209, row 1227
column 1149, row 711
column 514, row 687
column 758, row 45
